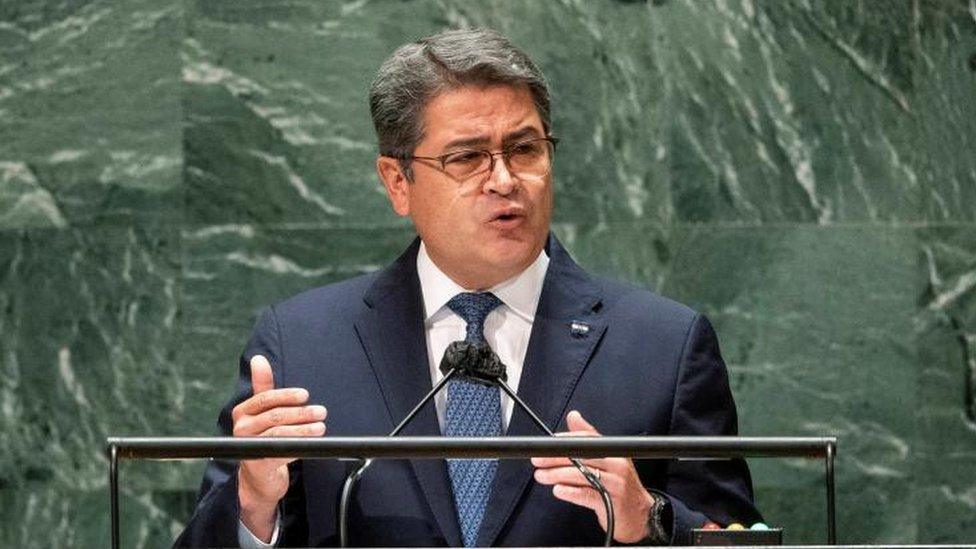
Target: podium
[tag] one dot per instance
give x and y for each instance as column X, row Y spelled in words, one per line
column 672, row 447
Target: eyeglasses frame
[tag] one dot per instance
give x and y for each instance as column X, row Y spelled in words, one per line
column 491, row 163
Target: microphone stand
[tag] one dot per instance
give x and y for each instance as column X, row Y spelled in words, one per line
column 583, row 469
column 478, row 363
column 364, row 464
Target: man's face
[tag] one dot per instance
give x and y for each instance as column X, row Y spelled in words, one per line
column 479, row 235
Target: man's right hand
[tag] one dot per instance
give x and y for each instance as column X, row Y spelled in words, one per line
column 261, row 483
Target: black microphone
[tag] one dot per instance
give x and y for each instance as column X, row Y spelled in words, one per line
column 474, row 362
column 479, row 363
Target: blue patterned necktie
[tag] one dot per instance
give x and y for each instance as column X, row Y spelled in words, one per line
column 473, row 410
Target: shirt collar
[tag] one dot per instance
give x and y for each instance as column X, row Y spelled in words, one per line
column 520, row 293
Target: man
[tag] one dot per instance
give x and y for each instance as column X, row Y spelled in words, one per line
column 466, row 152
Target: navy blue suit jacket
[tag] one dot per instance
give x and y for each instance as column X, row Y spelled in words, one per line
column 647, row 366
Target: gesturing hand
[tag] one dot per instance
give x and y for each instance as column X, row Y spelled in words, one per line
column 631, row 502
column 271, row 412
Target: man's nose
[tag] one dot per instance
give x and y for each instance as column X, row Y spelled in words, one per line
column 500, row 180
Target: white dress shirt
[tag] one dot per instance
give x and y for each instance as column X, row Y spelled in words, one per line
column 507, row 330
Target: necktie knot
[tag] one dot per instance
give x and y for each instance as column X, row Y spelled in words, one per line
column 474, row 307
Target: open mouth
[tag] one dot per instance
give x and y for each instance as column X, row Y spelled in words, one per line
column 507, row 215
column 506, row 219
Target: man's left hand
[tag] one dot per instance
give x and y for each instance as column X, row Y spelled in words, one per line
column 631, row 502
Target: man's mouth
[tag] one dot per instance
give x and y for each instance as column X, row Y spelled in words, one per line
column 506, row 218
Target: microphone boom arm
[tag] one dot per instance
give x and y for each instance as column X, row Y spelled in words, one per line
column 353, row 477
column 583, row 469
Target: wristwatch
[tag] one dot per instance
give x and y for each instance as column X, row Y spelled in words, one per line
column 659, row 521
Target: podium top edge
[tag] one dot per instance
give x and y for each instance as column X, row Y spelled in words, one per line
column 668, row 447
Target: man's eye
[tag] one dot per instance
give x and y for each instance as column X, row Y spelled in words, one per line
column 525, row 149
column 464, row 157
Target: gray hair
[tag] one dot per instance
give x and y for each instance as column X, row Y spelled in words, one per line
column 419, row 71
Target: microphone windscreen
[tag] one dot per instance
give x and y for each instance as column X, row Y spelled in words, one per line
column 458, row 355
column 489, row 365
column 474, row 361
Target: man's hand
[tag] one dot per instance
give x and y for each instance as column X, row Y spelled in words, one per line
column 271, row 412
column 631, row 502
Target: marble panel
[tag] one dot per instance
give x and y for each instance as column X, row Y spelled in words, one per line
column 945, row 411
column 89, row 112
column 947, row 127
column 89, row 322
column 790, row 111
column 277, row 122
column 39, row 514
column 816, row 329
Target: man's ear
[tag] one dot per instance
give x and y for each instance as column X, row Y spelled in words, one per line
column 395, row 183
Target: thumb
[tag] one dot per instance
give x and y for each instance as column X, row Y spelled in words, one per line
column 575, row 422
column 261, row 377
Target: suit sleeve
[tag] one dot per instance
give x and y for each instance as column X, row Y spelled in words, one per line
column 716, row 490
column 215, row 520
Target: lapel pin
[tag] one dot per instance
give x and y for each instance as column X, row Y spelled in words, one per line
column 579, row 329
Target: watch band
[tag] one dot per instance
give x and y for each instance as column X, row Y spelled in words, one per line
column 659, row 521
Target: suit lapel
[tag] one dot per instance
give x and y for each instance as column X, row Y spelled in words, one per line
column 556, row 358
column 391, row 331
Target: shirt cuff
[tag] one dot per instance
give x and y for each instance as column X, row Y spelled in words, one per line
column 247, row 540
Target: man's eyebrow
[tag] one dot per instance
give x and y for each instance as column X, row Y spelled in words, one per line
column 467, row 142
column 519, row 135
column 483, row 140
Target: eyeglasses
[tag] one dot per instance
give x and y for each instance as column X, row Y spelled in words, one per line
column 527, row 160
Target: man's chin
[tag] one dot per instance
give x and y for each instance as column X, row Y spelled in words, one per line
column 511, row 256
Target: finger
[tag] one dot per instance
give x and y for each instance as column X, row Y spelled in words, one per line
column 560, row 461
column 584, row 497
column 261, row 468
column 295, row 396
column 577, row 434
column 315, row 429
column 261, row 377
column 283, row 415
column 546, row 462
column 576, row 422
column 571, row 476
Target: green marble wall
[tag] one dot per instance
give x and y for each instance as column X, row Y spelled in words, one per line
column 801, row 170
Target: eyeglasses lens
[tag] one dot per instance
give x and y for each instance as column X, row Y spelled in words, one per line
column 527, row 160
